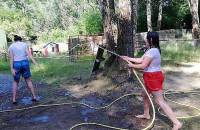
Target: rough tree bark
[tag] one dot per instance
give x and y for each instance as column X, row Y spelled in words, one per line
column 159, row 21
column 149, row 23
column 107, row 24
column 107, row 10
column 135, row 16
column 125, row 28
column 193, row 4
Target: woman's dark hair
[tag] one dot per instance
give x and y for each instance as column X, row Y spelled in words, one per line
column 17, row 38
column 153, row 40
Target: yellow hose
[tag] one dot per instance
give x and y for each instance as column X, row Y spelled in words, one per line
column 96, row 108
column 116, row 128
column 189, row 106
column 107, row 106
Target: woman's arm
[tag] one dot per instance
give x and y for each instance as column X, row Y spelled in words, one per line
column 135, row 60
column 145, row 62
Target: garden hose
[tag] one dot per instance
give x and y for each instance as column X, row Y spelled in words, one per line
column 111, row 127
column 92, row 107
column 97, row 108
column 189, row 106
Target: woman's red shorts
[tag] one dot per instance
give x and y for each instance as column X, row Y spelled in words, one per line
column 153, row 80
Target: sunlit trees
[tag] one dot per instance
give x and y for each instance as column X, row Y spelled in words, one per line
column 193, row 4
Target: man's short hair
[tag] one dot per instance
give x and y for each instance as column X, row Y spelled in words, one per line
column 17, row 38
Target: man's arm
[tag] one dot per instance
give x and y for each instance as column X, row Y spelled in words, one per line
column 30, row 56
column 11, row 62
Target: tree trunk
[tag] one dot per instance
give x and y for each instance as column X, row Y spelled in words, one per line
column 160, row 15
column 149, row 24
column 193, row 4
column 107, row 14
column 125, row 28
column 113, row 16
column 135, row 16
column 107, row 24
column 111, row 4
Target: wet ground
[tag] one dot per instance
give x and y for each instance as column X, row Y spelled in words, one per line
column 98, row 92
column 6, row 84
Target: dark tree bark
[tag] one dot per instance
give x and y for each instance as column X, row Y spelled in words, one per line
column 107, row 24
column 107, row 10
column 111, row 4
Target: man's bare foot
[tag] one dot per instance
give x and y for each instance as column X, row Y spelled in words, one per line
column 143, row 116
column 177, row 126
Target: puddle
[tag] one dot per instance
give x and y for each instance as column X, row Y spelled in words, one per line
column 5, row 106
column 28, row 100
column 35, row 119
column 41, row 119
column 5, row 83
column 63, row 94
column 93, row 101
column 85, row 112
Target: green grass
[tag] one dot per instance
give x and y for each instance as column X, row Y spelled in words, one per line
column 4, row 66
column 179, row 52
column 175, row 52
column 56, row 71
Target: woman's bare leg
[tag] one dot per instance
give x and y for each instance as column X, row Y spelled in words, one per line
column 167, row 109
column 146, row 114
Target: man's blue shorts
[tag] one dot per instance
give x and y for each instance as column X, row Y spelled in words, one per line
column 21, row 68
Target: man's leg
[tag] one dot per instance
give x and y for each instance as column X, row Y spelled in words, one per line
column 14, row 89
column 27, row 77
column 30, row 86
column 16, row 78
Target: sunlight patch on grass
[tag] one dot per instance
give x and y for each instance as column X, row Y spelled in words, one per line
column 180, row 52
column 55, row 71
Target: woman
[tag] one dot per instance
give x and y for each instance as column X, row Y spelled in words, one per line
column 19, row 64
column 153, row 77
